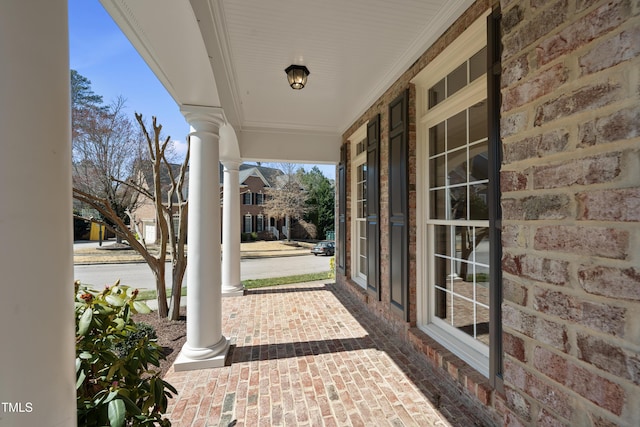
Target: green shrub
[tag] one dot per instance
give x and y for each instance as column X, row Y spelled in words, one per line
column 114, row 383
column 249, row 237
column 143, row 331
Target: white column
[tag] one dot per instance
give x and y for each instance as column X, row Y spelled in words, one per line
column 37, row 374
column 206, row 347
column 231, row 284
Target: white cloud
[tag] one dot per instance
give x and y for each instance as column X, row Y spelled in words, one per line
column 180, row 148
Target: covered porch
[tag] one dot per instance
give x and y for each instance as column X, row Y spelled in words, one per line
column 309, row 354
column 231, row 96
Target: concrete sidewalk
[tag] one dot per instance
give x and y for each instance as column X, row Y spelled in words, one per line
column 309, row 355
column 89, row 252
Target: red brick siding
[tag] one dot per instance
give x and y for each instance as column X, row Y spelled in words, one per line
column 571, row 184
column 255, row 185
column 570, row 178
column 474, row 384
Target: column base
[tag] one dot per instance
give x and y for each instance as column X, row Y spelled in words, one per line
column 204, row 359
column 233, row 291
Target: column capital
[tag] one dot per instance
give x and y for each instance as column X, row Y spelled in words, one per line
column 204, row 118
column 231, row 164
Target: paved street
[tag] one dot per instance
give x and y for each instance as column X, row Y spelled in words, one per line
column 140, row 276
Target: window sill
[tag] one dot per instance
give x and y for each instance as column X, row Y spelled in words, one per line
column 476, row 359
column 468, row 377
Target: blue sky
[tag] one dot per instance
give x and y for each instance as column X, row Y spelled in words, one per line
column 100, row 52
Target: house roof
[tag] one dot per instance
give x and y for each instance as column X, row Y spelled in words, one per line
column 266, row 174
column 165, row 179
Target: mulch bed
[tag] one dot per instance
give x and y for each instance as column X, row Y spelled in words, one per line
column 172, row 334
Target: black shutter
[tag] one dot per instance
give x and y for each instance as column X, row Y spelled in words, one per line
column 494, row 70
column 342, row 209
column 398, row 204
column 373, row 206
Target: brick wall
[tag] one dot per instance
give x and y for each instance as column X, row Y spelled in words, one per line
column 570, row 182
column 455, row 374
column 571, row 206
column 254, row 185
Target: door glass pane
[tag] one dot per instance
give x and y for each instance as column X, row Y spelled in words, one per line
column 478, row 122
column 458, row 202
column 437, row 138
column 481, row 254
column 482, row 288
column 436, row 94
column 438, row 204
column 457, row 190
column 478, row 64
column 467, row 291
column 442, row 237
column 359, row 241
column 441, row 302
column 482, row 324
column 478, row 207
column 437, row 169
column 463, row 313
column 442, row 279
column 479, row 162
column 457, row 130
column 457, row 79
column 457, row 167
column 464, row 248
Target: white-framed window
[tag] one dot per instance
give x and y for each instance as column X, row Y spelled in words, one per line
column 453, row 221
column 247, row 198
column 359, row 206
column 260, row 223
column 247, row 225
column 259, row 199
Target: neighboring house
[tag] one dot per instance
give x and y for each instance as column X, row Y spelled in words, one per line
column 491, row 219
column 145, row 214
column 254, row 182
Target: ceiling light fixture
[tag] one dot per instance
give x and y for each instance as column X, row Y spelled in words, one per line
column 297, row 76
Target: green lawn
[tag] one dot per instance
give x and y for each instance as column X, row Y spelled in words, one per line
column 275, row 281
column 150, row 294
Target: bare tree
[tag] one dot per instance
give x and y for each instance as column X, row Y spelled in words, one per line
column 287, row 199
column 169, row 200
column 106, row 148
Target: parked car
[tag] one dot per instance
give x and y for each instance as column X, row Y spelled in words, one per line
column 324, row 248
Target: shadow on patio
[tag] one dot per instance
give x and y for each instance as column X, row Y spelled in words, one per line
column 310, row 355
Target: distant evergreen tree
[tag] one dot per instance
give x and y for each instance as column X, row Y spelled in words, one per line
column 320, row 200
column 82, row 96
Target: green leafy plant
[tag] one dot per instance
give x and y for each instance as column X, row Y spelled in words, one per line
column 143, row 331
column 115, row 385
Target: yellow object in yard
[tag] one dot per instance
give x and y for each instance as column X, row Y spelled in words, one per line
column 95, row 234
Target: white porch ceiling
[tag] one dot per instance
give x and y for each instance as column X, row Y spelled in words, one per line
column 232, row 53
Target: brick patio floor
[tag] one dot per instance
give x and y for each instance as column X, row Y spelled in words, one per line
column 310, row 355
